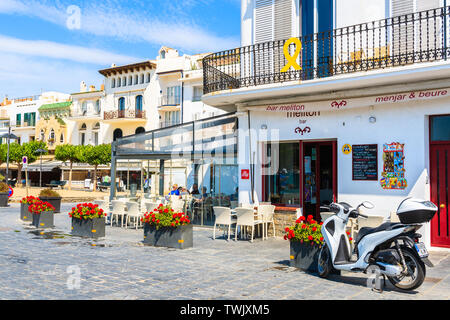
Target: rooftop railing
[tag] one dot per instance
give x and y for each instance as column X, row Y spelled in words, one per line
column 398, row 41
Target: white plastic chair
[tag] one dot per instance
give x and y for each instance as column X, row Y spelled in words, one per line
column 266, row 212
column 223, row 217
column 177, row 205
column 118, row 209
column 246, row 218
column 133, row 213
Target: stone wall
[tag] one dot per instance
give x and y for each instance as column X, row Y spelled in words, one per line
column 282, row 220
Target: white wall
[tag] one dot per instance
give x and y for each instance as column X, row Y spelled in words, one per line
column 400, row 122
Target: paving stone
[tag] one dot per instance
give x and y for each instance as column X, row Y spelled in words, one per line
column 38, row 266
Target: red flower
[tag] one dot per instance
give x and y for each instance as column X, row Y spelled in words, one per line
column 314, row 229
column 310, row 238
column 302, row 218
column 321, row 238
column 287, row 229
column 304, row 226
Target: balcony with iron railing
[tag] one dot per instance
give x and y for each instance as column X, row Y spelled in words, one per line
column 384, row 44
column 84, row 114
column 129, row 114
column 169, row 100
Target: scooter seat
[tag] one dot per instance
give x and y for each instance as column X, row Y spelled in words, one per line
column 366, row 230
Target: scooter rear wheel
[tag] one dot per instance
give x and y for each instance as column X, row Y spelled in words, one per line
column 416, row 272
column 324, row 265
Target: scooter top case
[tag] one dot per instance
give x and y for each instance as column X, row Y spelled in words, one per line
column 413, row 211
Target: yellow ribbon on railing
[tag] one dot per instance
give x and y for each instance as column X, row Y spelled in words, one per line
column 292, row 60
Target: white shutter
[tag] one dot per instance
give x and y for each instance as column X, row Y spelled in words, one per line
column 263, row 20
column 273, row 20
column 401, row 7
column 282, row 19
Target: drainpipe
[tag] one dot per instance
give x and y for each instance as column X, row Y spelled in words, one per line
column 182, row 98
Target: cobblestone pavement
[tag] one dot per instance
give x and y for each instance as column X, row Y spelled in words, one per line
column 43, row 266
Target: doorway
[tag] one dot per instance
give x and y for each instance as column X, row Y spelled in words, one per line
column 440, row 179
column 319, row 176
column 301, row 175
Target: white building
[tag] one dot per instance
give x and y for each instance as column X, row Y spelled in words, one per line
column 24, row 114
column 360, row 114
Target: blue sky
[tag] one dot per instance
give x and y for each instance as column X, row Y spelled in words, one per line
column 54, row 45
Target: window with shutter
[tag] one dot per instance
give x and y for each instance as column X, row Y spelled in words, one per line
column 273, row 22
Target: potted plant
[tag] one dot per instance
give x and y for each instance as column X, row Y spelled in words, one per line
column 305, row 239
column 25, row 203
column 88, row 220
column 164, row 227
column 43, row 214
column 52, row 197
column 4, row 194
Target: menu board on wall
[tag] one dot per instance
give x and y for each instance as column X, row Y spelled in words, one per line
column 365, row 162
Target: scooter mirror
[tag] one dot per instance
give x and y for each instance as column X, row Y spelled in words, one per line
column 368, row 205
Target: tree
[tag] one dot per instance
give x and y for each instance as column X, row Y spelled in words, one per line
column 69, row 153
column 17, row 152
column 95, row 156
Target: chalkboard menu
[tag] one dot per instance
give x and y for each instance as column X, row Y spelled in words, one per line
column 365, row 162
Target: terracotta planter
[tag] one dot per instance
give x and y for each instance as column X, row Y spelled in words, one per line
column 54, row 201
column 44, row 220
column 179, row 238
column 90, row 228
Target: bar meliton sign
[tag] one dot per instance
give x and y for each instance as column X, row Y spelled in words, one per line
column 403, row 97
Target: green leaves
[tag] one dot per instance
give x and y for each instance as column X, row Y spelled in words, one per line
column 17, row 152
column 97, row 155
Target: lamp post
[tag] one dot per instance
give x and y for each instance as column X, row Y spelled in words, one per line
column 8, row 136
column 40, row 151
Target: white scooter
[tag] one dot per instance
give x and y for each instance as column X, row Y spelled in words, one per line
column 393, row 248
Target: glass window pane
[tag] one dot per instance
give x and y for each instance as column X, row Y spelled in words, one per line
column 440, row 128
column 283, row 188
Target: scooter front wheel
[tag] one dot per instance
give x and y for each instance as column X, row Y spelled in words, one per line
column 324, row 265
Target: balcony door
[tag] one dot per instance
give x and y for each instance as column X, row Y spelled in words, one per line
column 121, row 111
column 317, row 52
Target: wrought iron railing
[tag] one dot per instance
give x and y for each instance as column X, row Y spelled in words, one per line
column 124, row 114
column 397, row 41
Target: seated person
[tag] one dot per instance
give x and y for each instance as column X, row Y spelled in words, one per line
column 195, row 190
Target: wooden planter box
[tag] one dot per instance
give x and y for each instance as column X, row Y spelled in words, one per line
column 4, row 199
column 25, row 215
column 44, row 220
column 54, row 201
column 178, row 238
column 90, row 228
column 304, row 256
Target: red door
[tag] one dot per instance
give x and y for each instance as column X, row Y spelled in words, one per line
column 440, row 180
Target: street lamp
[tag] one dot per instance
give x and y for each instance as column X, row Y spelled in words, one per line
column 8, row 136
column 40, row 151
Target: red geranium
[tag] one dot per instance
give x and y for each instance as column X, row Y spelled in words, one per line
column 87, row 211
column 164, row 216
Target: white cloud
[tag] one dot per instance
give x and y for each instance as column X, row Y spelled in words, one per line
column 110, row 18
column 55, row 50
column 25, row 75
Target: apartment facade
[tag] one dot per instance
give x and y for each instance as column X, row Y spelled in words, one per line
column 340, row 106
